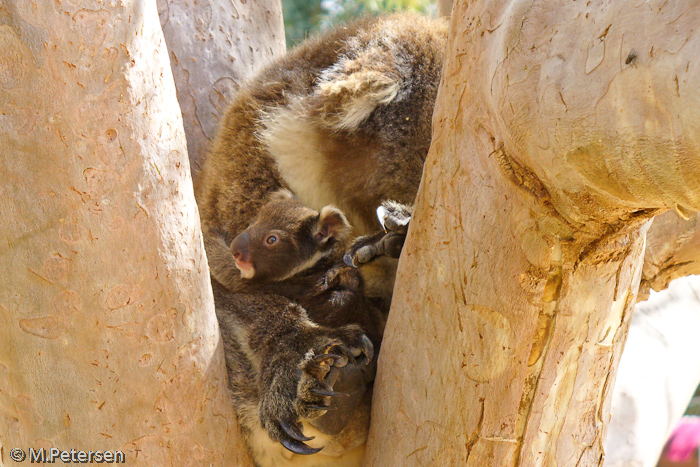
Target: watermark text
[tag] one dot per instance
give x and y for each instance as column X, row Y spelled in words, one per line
column 73, row 456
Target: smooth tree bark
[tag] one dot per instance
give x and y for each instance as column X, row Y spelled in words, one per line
column 561, row 128
column 108, row 337
column 659, row 372
column 214, row 46
column 673, row 251
column 444, row 7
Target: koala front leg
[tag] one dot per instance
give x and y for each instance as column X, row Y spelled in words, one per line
column 395, row 219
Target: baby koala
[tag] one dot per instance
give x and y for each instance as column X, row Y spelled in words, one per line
column 295, row 252
column 291, row 250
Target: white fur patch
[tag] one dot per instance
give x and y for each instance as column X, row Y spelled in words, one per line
column 246, row 272
column 356, row 110
column 298, row 150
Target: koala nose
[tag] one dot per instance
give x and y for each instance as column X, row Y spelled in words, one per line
column 239, row 245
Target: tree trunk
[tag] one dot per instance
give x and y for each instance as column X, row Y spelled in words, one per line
column 659, row 372
column 444, row 7
column 673, row 250
column 560, row 129
column 214, row 46
column 108, row 338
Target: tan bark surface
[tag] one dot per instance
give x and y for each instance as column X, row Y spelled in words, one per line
column 444, row 7
column 560, row 129
column 214, row 46
column 108, row 338
column 673, row 250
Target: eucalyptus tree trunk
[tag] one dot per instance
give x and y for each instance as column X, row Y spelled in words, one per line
column 108, row 338
column 214, row 46
column 444, row 7
column 561, row 128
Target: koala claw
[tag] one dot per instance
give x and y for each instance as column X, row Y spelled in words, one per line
column 394, row 217
column 328, row 391
column 298, row 447
column 367, row 349
column 293, row 431
column 331, row 359
column 321, row 407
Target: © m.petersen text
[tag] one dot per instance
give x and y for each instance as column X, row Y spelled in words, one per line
column 43, row 456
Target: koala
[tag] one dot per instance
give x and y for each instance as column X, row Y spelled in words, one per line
column 342, row 120
column 293, row 252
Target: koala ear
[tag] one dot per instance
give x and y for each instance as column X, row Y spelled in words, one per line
column 281, row 195
column 331, row 224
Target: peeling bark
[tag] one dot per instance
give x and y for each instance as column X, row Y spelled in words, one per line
column 214, row 45
column 559, row 132
column 108, row 338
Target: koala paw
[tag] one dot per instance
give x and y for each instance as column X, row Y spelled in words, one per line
column 339, row 276
column 330, row 382
column 395, row 219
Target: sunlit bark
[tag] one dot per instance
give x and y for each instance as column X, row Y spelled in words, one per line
column 560, row 129
column 108, row 338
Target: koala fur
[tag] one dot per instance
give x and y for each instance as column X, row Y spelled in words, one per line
column 329, row 393
column 345, row 120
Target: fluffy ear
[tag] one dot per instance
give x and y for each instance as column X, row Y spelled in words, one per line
column 281, row 195
column 331, row 224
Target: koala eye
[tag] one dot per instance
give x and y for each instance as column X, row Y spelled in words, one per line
column 271, row 239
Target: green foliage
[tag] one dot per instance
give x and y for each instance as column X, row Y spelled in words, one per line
column 301, row 18
column 304, row 17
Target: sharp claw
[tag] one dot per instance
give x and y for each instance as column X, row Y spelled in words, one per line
column 321, row 407
column 298, row 447
column 347, row 353
column 382, row 214
column 349, row 259
column 338, row 360
column 326, row 391
column 326, row 356
column 328, row 348
column 367, row 348
column 293, row 431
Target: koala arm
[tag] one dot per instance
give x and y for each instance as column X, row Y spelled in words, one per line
column 279, row 364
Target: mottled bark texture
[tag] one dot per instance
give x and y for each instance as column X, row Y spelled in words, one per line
column 108, row 338
column 659, row 372
column 560, row 129
column 214, row 46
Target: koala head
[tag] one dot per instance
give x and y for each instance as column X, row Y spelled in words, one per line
column 286, row 238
